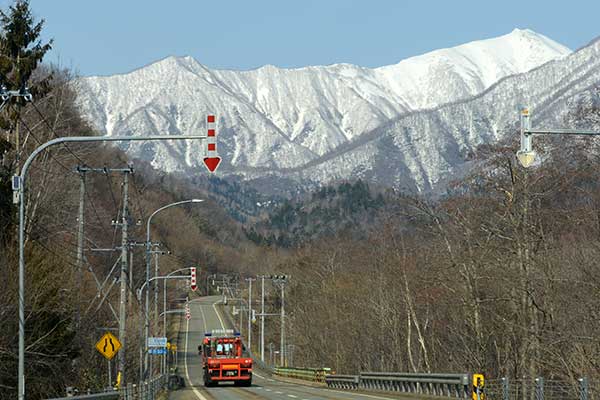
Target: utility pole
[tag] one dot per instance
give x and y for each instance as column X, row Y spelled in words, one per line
column 130, row 300
column 262, row 320
column 282, row 344
column 250, row 312
column 123, row 277
column 281, row 280
column 80, row 225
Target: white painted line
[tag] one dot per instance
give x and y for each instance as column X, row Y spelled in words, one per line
column 268, row 390
column 292, row 396
column 218, row 316
column 278, row 392
column 360, row 395
column 187, row 372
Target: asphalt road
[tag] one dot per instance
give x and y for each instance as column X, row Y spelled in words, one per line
column 206, row 317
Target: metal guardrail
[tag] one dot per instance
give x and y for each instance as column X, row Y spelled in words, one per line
column 144, row 391
column 447, row 385
column 307, row 374
column 344, row 382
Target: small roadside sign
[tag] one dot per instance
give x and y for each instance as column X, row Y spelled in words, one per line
column 108, row 345
column 157, row 342
column 157, row 351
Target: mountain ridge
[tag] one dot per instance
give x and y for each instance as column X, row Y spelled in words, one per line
column 281, row 120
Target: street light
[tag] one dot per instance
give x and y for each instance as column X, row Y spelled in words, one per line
column 526, row 155
column 140, row 291
column 19, row 185
column 148, row 259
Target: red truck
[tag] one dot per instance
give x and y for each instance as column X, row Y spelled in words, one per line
column 222, row 359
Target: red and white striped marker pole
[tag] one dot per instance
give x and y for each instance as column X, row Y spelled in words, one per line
column 193, row 284
column 212, row 159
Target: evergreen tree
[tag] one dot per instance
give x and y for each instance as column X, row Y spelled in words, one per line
column 21, row 52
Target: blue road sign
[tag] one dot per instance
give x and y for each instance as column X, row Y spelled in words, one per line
column 157, row 351
column 157, row 342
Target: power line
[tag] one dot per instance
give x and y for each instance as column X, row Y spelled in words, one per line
column 39, row 142
column 55, row 134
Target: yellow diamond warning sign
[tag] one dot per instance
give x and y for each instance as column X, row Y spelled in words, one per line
column 108, row 345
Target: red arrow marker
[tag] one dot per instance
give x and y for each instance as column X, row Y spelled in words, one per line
column 212, row 163
column 212, row 160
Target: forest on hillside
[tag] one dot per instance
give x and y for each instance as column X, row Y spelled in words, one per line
column 500, row 275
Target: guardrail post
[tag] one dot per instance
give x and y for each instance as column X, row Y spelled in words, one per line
column 583, row 388
column 505, row 390
column 539, row 388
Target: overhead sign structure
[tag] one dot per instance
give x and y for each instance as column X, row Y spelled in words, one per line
column 157, row 342
column 212, row 159
column 108, row 345
column 193, row 284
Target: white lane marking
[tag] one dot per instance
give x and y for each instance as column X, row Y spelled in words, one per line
column 268, row 390
column 187, row 372
column 292, row 396
column 360, row 395
column 203, row 318
column 218, row 315
column 258, row 376
column 278, row 392
column 271, row 380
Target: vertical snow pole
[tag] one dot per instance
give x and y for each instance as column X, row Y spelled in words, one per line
column 212, row 159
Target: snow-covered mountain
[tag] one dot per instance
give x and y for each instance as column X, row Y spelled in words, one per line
column 316, row 124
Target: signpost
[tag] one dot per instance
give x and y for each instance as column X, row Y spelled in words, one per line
column 108, row 345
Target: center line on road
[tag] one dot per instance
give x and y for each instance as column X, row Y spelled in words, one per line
column 187, row 372
column 292, row 396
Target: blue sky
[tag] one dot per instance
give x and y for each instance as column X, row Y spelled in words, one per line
column 109, row 36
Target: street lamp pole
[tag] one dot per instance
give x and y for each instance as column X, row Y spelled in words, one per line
column 526, row 155
column 21, row 187
column 148, row 261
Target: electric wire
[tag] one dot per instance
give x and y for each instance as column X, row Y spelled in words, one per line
column 40, row 142
column 55, row 134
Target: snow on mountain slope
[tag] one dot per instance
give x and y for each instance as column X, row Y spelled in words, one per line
column 272, row 119
column 422, row 150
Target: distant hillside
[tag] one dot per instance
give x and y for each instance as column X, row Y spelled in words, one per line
column 331, row 209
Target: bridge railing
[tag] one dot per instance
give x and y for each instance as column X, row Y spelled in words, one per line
column 307, row 374
column 145, row 391
column 541, row 389
column 447, row 385
column 344, row 382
